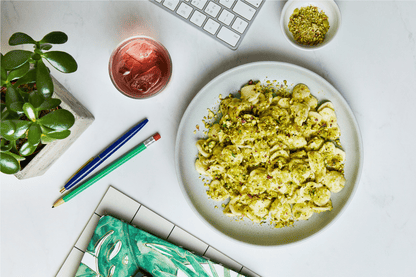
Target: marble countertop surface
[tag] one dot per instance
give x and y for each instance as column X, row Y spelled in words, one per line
column 372, row 62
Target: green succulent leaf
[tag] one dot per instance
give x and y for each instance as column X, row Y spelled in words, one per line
column 8, row 164
column 13, row 96
column 14, row 146
column 29, row 111
column 8, row 114
column 21, row 128
column 17, row 157
column 46, row 46
column 58, row 120
column 14, row 129
column 3, row 70
column 62, row 61
column 46, row 130
column 23, row 94
column 15, row 59
column 3, row 76
column 33, row 136
column 27, row 149
column 7, row 128
column 59, row 135
column 21, row 38
column 5, row 148
column 36, row 56
column 18, row 72
column 29, row 77
column 45, row 139
column 55, row 38
column 43, row 79
column 49, row 103
column 17, row 107
column 36, row 99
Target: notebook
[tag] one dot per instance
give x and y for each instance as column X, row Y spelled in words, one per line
column 226, row 21
column 119, row 249
column 119, row 206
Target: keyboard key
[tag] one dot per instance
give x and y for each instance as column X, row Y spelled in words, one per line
column 255, row 3
column 244, row 10
column 198, row 18
column 171, row 4
column 239, row 25
column 199, row 3
column 211, row 26
column 212, row 9
column 184, row 10
column 226, row 17
column 227, row 3
column 227, row 21
column 228, row 36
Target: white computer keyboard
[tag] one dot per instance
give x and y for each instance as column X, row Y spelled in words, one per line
column 227, row 21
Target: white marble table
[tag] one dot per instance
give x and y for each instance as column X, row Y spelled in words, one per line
column 372, row 63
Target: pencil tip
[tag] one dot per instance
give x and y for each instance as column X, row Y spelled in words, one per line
column 53, row 207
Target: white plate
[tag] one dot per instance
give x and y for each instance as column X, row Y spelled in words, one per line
column 186, row 153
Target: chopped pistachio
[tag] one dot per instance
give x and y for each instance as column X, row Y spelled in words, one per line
column 308, row 25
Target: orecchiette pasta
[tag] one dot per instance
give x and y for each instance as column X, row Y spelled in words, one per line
column 274, row 155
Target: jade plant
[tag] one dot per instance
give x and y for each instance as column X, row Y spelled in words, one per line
column 30, row 117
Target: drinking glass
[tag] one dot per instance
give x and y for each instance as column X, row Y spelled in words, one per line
column 140, row 67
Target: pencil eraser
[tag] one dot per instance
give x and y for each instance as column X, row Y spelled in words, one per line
column 156, row 137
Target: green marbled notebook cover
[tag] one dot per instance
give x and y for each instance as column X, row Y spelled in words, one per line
column 118, row 249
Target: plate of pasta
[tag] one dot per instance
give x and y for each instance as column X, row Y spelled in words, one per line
column 268, row 153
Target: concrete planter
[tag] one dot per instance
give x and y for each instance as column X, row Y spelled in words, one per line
column 52, row 151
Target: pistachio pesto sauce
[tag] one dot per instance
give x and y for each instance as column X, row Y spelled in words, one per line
column 274, row 156
column 308, row 25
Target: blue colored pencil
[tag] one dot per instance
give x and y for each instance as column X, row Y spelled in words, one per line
column 94, row 162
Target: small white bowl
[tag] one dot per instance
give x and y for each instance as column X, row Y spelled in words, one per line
column 329, row 7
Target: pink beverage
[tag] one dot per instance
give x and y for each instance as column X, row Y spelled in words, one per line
column 140, row 67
